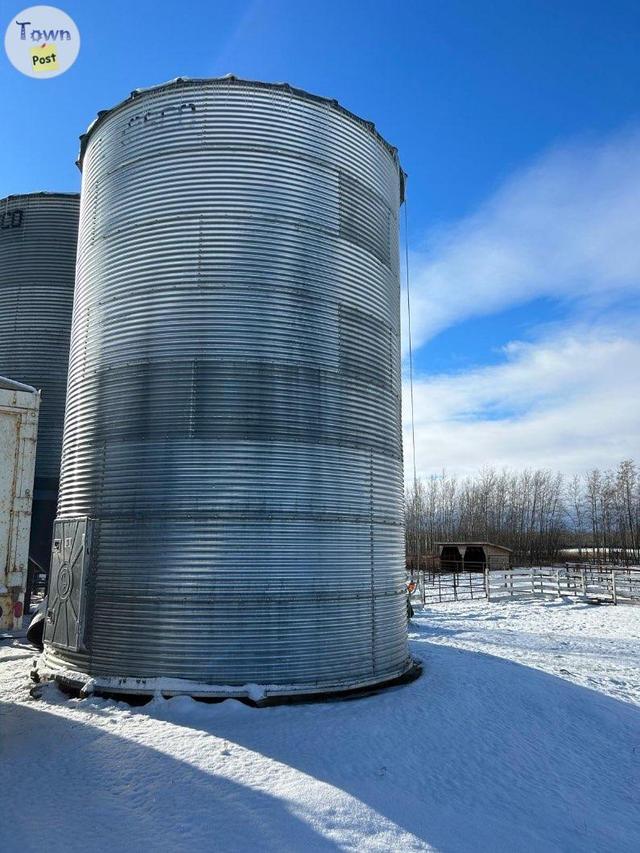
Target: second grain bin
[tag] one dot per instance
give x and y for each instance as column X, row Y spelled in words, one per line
column 231, row 505
column 38, row 237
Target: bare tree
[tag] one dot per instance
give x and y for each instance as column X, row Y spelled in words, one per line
column 534, row 512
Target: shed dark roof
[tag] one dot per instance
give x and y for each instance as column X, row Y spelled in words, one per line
column 475, row 544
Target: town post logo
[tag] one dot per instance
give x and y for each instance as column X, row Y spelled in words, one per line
column 42, row 41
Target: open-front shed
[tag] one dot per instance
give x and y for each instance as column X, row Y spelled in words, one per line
column 472, row 556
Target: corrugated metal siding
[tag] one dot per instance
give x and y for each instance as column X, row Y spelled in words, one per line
column 233, row 418
column 38, row 236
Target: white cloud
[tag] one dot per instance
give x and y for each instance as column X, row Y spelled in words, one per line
column 567, row 227
column 569, row 402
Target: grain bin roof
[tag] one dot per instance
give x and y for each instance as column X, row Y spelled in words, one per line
column 188, row 82
column 40, row 194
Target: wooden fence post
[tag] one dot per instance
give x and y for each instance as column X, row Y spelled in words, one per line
column 613, row 586
column 570, row 580
column 487, row 582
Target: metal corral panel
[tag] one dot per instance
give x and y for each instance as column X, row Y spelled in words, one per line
column 38, row 237
column 18, row 432
column 233, row 418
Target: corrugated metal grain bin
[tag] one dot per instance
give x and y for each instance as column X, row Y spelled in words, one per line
column 38, row 238
column 231, row 504
column 19, row 406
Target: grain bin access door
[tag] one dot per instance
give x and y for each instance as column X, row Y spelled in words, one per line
column 64, row 625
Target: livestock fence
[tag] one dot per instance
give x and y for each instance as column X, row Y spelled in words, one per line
column 582, row 581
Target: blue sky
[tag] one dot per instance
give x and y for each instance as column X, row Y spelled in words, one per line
column 518, row 123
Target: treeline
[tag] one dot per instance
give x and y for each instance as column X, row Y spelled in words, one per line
column 539, row 514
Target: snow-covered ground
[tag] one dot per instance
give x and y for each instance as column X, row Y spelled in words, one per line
column 523, row 734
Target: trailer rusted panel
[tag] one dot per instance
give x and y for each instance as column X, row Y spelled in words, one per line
column 19, row 406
